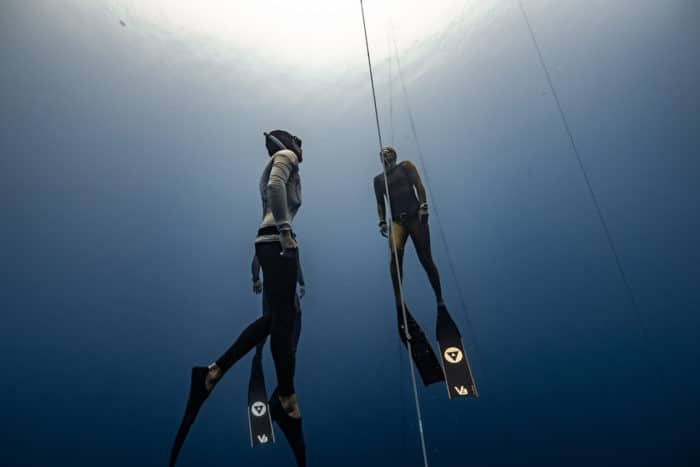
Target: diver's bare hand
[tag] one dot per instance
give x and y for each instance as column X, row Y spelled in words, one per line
column 423, row 213
column 289, row 245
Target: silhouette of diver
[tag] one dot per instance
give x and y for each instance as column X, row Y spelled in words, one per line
column 276, row 249
column 409, row 212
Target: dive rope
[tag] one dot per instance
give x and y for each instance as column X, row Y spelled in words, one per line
column 591, row 192
column 393, row 245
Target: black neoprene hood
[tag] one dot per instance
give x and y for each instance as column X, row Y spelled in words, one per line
column 277, row 140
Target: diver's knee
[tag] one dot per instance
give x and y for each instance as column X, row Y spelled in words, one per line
column 396, row 253
column 426, row 260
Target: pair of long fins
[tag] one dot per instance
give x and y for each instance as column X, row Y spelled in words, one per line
column 263, row 413
column 453, row 367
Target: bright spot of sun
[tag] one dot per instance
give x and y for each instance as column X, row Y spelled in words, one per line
column 312, row 34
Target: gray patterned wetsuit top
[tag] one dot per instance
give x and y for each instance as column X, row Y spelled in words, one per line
column 280, row 191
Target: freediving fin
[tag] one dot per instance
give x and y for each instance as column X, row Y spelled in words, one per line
column 291, row 427
column 198, row 394
column 421, row 351
column 458, row 373
column 259, row 420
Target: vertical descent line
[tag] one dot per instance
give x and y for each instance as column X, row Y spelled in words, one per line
column 392, row 244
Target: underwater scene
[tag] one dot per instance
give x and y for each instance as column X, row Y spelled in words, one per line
column 350, row 233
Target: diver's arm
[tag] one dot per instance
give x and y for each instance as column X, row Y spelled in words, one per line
column 255, row 268
column 415, row 180
column 381, row 206
column 283, row 165
column 379, row 195
column 300, row 278
column 300, row 273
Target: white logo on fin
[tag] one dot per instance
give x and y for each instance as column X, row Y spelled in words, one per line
column 453, row 355
column 263, row 439
column 258, row 409
column 462, row 391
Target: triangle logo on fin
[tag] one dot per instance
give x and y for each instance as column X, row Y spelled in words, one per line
column 258, row 409
column 453, row 355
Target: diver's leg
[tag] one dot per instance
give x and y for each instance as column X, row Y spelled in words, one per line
column 280, row 281
column 422, row 352
column 290, row 426
column 251, row 336
column 266, row 312
column 397, row 242
column 296, row 324
column 205, row 378
column 420, row 234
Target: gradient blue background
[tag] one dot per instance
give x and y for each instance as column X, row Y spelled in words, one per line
column 128, row 203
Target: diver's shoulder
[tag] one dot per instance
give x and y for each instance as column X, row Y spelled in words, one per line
column 288, row 155
column 406, row 164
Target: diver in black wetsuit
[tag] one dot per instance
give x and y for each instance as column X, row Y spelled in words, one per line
column 276, row 249
column 409, row 209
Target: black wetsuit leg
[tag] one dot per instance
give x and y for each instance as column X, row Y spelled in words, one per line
column 420, row 235
column 296, row 324
column 249, row 338
column 280, row 282
column 421, row 351
column 280, row 286
column 265, row 312
column 296, row 327
column 399, row 235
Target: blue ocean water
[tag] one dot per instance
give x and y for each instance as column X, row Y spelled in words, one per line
column 130, row 163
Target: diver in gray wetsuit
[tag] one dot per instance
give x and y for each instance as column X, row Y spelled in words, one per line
column 276, row 249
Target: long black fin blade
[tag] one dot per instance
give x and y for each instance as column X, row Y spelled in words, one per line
column 422, row 352
column 458, row 374
column 198, row 394
column 259, row 421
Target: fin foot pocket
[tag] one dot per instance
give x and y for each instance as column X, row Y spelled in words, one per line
column 291, row 428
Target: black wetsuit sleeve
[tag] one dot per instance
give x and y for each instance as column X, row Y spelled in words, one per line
column 379, row 194
column 255, row 268
column 413, row 177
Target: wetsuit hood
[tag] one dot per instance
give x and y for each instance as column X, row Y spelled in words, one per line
column 277, row 140
column 388, row 157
